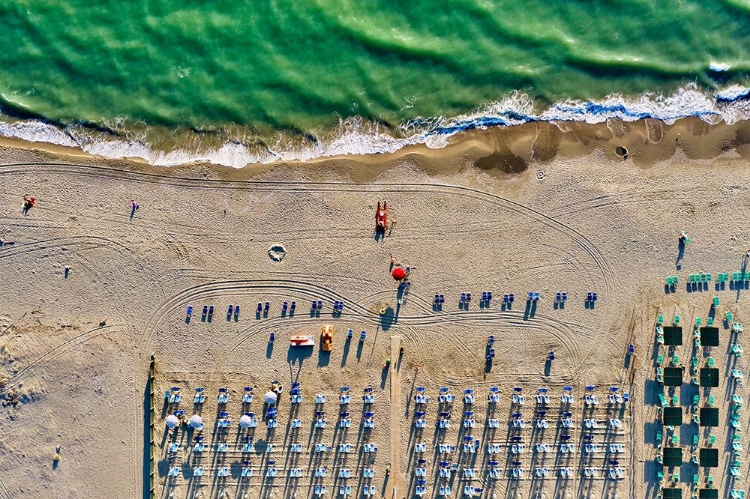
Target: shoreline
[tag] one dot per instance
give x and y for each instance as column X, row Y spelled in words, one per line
column 497, row 151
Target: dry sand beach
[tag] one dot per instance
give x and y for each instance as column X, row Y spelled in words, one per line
column 538, row 208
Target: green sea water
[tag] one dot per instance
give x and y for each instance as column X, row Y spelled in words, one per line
column 266, row 74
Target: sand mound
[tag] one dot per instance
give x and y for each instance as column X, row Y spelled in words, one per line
column 277, row 252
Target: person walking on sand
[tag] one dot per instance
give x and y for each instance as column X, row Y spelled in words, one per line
column 133, row 208
column 28, row 203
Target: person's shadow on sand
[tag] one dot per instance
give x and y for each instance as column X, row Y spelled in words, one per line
column 680, row 254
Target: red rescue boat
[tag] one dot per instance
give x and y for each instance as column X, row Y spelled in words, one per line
column 302, row 340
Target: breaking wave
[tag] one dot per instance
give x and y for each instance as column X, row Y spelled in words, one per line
column 358, row 136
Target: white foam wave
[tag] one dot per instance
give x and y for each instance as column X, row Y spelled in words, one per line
column 357, row 136
column 733, row 93
column 719, row 66
column 36, row 131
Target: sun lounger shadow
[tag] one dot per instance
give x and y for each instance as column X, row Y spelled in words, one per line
column 345, row 353
column 360, row 346
column 269, row 349
column 164, row 408
column 680, row 254
column 527, row 312
column 547, row 367
column 384, row 376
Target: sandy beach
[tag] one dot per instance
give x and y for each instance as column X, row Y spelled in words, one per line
column 537, row 208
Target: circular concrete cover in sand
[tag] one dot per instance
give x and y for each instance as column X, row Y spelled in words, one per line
column 277, row 252
column 172, row 421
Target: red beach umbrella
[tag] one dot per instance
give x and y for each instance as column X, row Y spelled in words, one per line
column 399, row 274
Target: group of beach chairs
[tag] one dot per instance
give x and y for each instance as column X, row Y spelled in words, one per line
column 600, row 438
column 247, row 447
column 670, row 435
column 263, row 309
column 701, row 280
column 561, row 297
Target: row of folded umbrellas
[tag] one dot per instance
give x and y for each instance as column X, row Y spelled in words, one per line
column 196, row 421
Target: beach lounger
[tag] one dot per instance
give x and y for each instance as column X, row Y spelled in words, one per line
column 248, row 447
column 247, row 395
column 469, row 396
column 174, row 395
column 200, row 396
column 198, row 472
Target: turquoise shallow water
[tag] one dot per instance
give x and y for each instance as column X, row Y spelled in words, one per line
column 258, row 80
